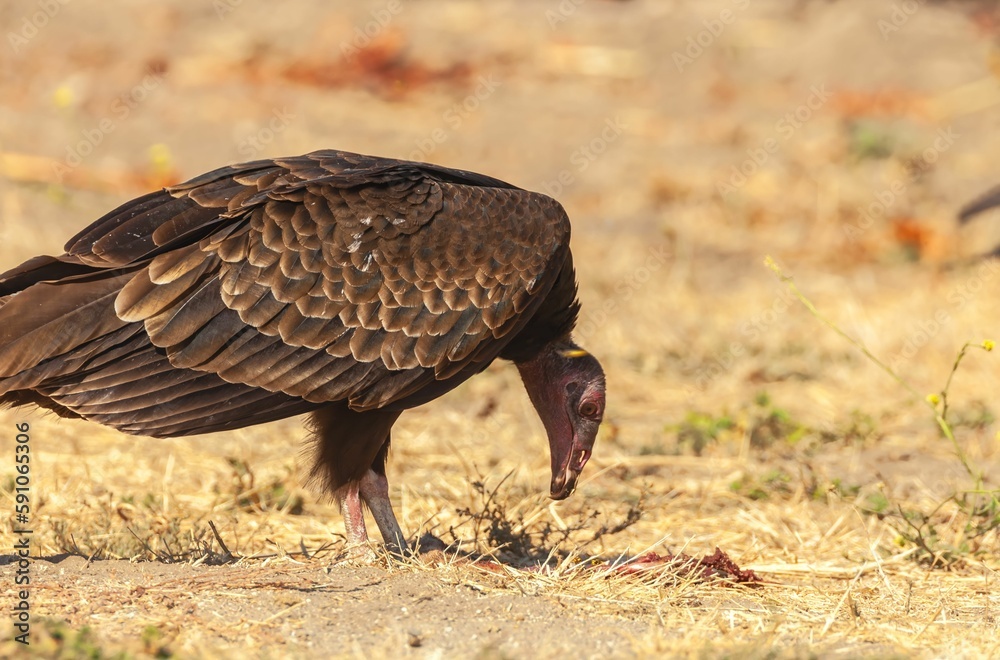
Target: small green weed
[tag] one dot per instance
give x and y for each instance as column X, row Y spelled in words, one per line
column 967, row 522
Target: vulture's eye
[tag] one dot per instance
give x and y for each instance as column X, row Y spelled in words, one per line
column 590, row 410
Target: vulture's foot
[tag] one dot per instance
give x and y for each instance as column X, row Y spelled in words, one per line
column 372, row 490
column 363, row 554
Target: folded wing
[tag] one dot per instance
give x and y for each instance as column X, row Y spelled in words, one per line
column 286, row 283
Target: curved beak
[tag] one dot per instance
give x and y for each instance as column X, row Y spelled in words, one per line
column 552, row 380
column 566, row 472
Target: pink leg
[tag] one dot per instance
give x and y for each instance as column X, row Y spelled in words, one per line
column 354, row 519
column 374, row 491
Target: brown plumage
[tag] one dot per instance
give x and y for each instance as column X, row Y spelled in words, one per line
column 349, row 286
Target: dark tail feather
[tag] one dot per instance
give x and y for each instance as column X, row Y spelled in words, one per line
column 41, row 269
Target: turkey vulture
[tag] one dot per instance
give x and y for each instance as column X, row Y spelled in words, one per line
column 346, row 286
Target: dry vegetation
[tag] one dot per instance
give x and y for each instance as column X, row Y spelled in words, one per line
column 737, row 419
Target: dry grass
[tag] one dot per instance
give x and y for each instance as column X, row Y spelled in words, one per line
column 839, row 577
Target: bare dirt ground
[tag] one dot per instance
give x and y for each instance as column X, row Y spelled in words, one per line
column 687, row 141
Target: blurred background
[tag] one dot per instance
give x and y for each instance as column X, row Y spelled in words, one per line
column 687, row 141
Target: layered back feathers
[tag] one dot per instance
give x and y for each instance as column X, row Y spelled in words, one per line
column 264, row 290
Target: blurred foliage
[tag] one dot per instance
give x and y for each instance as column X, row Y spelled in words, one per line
column 764, row 423
column 869, row 139
column 772, row 482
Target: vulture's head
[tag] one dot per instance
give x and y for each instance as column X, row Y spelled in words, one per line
column 566, row 386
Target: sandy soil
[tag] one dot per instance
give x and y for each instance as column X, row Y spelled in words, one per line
column 687, row 141
column 305, row 609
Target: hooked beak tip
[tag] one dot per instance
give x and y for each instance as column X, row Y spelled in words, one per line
column 564, row 484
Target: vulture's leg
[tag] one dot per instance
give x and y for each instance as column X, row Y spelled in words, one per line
column 374, row 488
column 351, row 449
column 354, row 515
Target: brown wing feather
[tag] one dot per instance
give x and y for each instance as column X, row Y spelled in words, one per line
column 325, row 277
column 401, row 280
